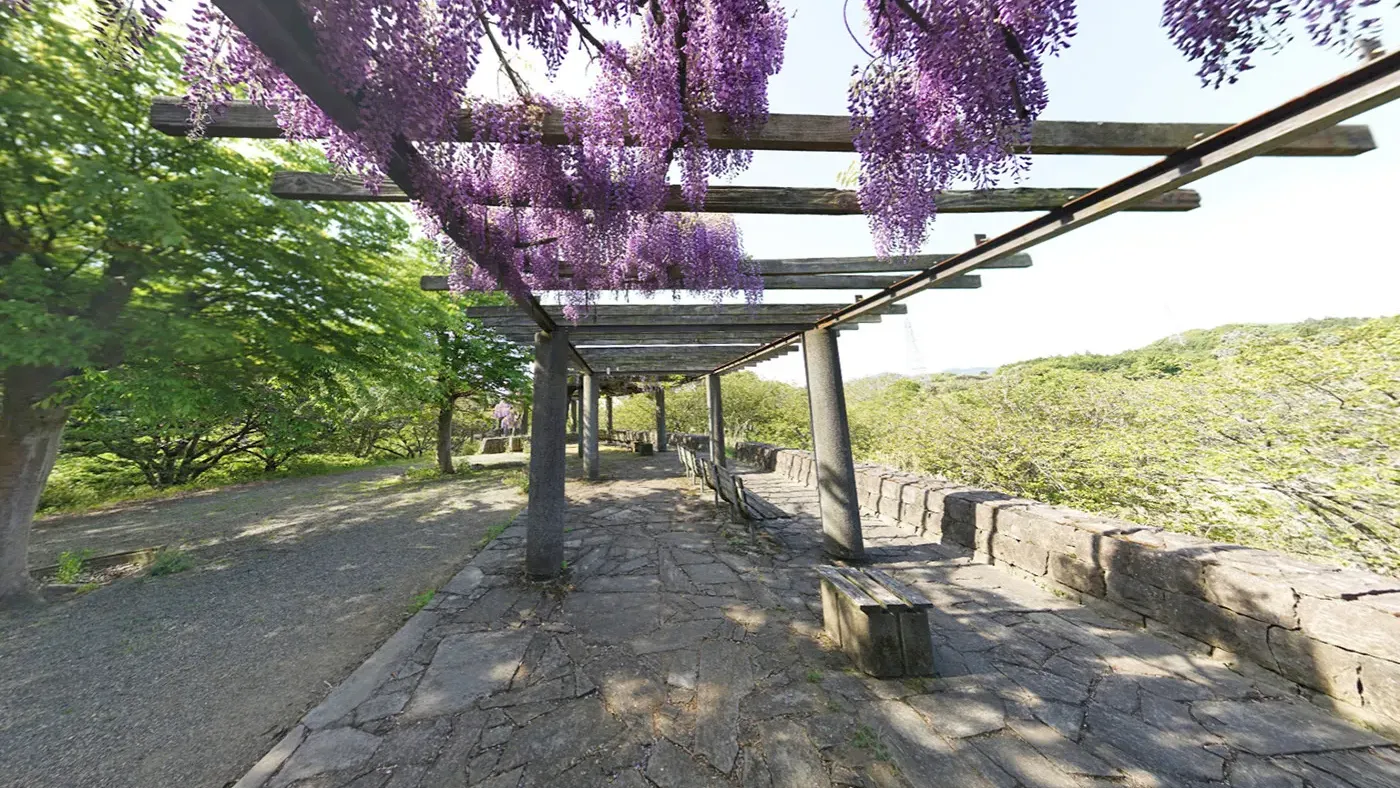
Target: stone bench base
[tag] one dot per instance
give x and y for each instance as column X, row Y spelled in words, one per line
column 880, row 623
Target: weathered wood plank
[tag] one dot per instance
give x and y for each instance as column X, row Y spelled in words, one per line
column 799, row 266
column 832, row 133
column 799, row 282
column 608, row 313
column 857, row 282
column 756, row 199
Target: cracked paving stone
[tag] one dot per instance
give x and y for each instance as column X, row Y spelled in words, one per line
column 1280, row 727
column 1023, row 762
column 725, row 677
column 1155, row 750
column 922, row 756
column 1378, row 768
column 553, row 741
column 467, row 667
column 1248, row 771
column 793, row 761
column 1047, row 685
column 960, row 712
column 1063, row 752
column 671, row 767
column 710, row 574
column 329, row 750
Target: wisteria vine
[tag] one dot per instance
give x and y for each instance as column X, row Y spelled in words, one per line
column 954, row 86
column 951, row 93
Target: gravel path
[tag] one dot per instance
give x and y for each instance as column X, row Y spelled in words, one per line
column 187, row 679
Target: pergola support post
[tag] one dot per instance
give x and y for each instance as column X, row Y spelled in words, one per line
column 831, row 440
column 715, row 399
column 588, row 434
column 660, row 419
column 575, row 406
column 544, row 524
column 608, row 401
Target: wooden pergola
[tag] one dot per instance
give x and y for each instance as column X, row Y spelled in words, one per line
column 632, row 348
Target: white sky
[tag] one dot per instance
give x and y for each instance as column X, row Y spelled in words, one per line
column 1276, row 240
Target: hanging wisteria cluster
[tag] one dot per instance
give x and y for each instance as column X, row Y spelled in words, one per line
column 954, row 86
column 506, row 416
column 581, row 217
column 951, row 92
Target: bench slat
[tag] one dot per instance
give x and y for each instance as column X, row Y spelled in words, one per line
column 851, row 591
column 881, row 594
column 910, row 595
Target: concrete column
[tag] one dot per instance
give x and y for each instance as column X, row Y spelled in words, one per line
column 715, row 399
column 576, row 405
column 831, row 439
column 544, row 525
column 608, row 400
column 661, row 420
column 588, row 436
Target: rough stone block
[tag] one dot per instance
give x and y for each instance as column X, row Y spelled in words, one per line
column 1076, row 574
column 1167, row 569
column 1352, row 625
column 1248, row 594
column 1023, row 555
column 1380, row 682
column 1314, row 664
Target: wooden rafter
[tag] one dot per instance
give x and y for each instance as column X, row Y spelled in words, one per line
column 784, row 282
column 832, row 133
column 755, row 199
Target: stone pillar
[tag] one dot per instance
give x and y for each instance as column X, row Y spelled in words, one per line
column 661, row 420
column 608, row 400
column 544, row 524
column 576, row 405
column 716, row 420
column 588, row 435
column 831, row 440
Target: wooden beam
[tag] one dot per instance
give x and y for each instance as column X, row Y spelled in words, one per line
column 284, row 35
column 800, row 266
column 753, row 199
column 1372, row 85
column 650, row 316
column 832, row 133
column 777, row 282
column 857, row 282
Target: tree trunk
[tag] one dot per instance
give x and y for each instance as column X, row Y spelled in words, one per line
column 29, row 436
column 444, row 435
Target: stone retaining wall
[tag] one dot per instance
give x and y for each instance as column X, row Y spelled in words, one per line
column 1333, row 631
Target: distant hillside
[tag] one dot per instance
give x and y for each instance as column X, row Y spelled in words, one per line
column 1278, row 436
column 1282, row 436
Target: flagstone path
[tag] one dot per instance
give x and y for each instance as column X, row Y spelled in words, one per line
column 683, row 649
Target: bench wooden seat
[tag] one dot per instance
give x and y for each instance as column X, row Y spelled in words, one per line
column 728, row 486
column 881, row 623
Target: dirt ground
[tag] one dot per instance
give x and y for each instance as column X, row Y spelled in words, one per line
column 187, row 679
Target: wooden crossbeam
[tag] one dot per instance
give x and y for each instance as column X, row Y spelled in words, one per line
column 832, row 133
column 869, row 265
column 857, row 282
column 754, row 199
column 655, row 318
column 656, row 358
column 798, row 282
column 283, row 33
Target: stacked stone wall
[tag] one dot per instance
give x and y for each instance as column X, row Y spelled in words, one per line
column 1335, row 632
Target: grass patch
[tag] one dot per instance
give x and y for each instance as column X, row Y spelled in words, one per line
column 420, row 601
column 70, row 566
column 865, row 738
column 520, row 480
column 491, row 534
column 171, row 561
column 81, row 484
column 814, row 676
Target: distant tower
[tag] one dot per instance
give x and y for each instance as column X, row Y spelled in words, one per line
column 913, row 359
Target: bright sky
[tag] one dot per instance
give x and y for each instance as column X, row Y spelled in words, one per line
column 1275, row 240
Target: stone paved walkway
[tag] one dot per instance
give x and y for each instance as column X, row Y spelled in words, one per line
column 685, row 650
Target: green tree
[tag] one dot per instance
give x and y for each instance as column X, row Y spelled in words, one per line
column 141, row 273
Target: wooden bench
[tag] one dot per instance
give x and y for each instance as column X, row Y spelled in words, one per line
column 728, row 486
column 881, row 623
column 643, row 448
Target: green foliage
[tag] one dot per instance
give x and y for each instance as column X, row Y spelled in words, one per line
column 520, row 480
column 70, row 566
column 1282, row 437
column 170, row 561
column 420, row 601
column 754, row 410
column 491, row 534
